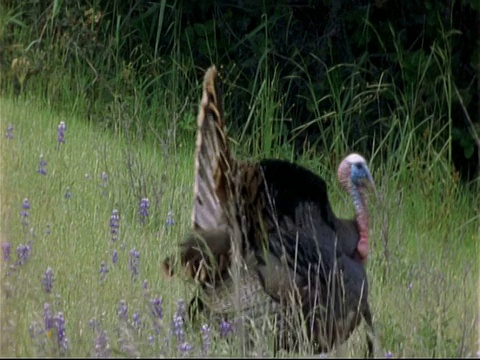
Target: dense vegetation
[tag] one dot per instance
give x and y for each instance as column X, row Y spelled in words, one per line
column 372, row 53
column 303, row 80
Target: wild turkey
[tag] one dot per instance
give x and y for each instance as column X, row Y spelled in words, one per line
column 293, row 252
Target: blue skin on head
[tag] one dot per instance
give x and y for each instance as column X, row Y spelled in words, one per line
column 360, row 175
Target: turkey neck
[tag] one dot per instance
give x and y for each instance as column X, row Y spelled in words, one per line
column 361, row 218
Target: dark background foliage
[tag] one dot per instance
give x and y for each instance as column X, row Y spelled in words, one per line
column 381, row 39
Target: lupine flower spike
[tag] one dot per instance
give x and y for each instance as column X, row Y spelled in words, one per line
column 177, row 324
column 170, row 221
column 6, row 251
column 101, row 346
column 133, row 262
column 24, row 213
column 48, row 318
column 184, row 347
column 114, row 257
column 103, row 271
column 41, row 166
column 61, row 333
column 122, row 310
column 23, row 253
column 93, row 324
column 9, row 134
column 226, row 328
column 114, row 224
column 61, row 132
column 156, row 310
column 48, row 280
column 144, row 209
column 68, row 193
column 136, row 320
column 103, row 184
column 206, row 338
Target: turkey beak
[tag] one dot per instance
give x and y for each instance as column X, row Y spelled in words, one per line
column 367, row 181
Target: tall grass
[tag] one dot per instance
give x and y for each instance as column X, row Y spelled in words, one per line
column 423, row 265
column 423, row 295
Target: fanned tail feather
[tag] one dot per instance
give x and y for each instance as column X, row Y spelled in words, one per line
column 206, row 252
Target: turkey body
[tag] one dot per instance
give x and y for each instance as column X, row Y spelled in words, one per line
column 329, row 274
column 265, row 244
column 293, row 185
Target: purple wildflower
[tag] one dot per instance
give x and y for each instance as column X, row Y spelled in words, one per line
column 114, row 257
column 133, row 262
column 68, row 193
column 101, row 347
column 181, row 307
column 9, row 134
column 145, row 285
column 103, row 270
column 185, row 348
column 206, row 338
column 92, row 324
column 24, row 213
column 48, row 280
column 136, row 320
column 31, row 330
column 178, row 321
column 170, row 220
column 26, row 204
column 6, row 251
column 122, row 310
column 61, row 132
column 37, row 332
column 41, row 166
column 157, row 308
column 23, row 253
column 61, row 332
column 103, row 184
column 48, row 317
column 114, row 224
column 225, row 328
column 389, row 355
column 143, row 209
column 104, row 177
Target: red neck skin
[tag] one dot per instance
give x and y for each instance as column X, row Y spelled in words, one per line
column 362, row 221
column 361, row 213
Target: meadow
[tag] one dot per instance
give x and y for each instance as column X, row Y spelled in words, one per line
column 96, row 149
column 80, row 270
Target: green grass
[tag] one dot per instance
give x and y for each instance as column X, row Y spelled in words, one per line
column 423, row 266
column 80, row 235
column 425, row 225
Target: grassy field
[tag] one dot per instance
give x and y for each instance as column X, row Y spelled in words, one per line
column 423, row 267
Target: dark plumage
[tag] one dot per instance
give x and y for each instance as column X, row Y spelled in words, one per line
column 302, row 185
column 293, row 252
